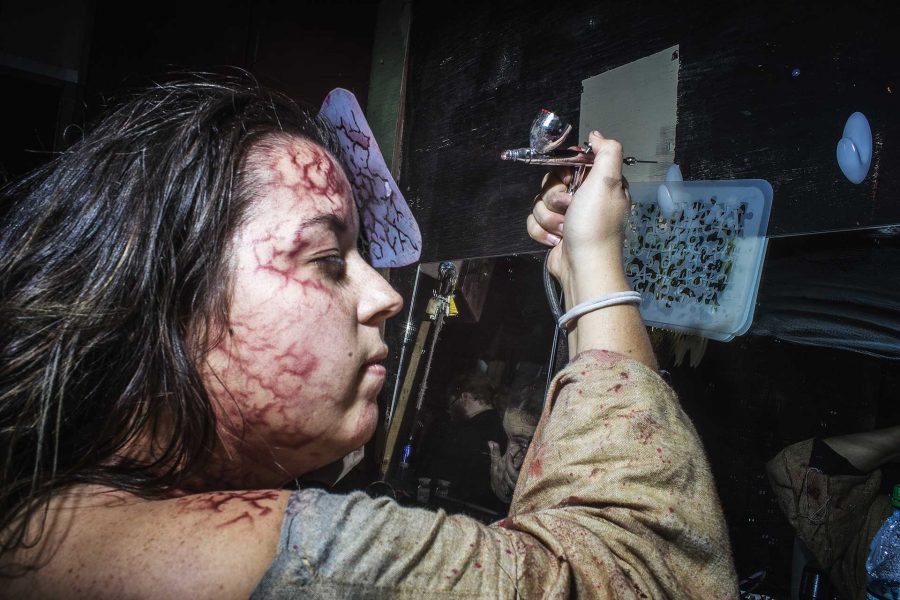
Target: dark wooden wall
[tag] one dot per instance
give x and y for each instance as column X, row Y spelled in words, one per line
column 479, row 72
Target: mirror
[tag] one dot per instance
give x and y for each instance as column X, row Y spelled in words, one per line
column 500, row 323
column 473, row 370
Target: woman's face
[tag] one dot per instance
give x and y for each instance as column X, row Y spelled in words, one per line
column 296, row 375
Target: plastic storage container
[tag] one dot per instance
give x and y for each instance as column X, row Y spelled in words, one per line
column 694, row 250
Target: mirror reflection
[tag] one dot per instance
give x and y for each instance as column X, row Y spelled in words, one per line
column 474, row 373
column 476, row 358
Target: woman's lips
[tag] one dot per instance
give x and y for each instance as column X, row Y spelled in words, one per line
column 373, row 367
column 376, row 369
column 374, row 375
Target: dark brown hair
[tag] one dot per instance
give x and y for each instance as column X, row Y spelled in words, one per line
column 114, row 284
column 476, row 383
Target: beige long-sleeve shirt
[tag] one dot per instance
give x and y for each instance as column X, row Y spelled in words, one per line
column 615, row 500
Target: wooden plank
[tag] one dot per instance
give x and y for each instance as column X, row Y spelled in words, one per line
column 387, row 84
column 403, row 399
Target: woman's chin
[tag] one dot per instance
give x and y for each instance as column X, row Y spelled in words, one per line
column 366, row 423
column 359, row 429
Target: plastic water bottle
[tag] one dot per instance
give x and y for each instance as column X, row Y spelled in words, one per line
column 883, row 564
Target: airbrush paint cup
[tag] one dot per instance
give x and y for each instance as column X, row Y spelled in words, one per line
column 548, row 132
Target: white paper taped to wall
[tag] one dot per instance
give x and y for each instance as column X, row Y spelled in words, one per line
column 636, row 104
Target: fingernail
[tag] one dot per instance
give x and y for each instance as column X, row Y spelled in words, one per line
column 553, row 239
column 595, row 132
column 561, row 225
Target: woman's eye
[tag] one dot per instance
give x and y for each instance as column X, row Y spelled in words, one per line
column 332, row 266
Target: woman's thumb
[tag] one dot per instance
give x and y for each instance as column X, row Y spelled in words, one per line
column 607, row 168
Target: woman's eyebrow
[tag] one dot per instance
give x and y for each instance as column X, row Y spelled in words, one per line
column 331, row 221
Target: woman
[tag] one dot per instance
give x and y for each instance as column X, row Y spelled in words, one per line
column 188, row 326
column 519, row 422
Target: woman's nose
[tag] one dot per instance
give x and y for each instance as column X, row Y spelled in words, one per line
column 378, row 301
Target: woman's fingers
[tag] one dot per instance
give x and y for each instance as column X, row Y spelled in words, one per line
column 550, row 221
column 557, row 177
column 545, row 223
column 557, row 201
column 539, row 234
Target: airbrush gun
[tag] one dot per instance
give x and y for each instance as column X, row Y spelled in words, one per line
column 548, row 132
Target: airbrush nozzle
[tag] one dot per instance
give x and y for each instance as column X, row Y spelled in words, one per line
column 517, row 154
column 630, row 161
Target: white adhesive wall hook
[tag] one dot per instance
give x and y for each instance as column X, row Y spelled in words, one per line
column 854, row 150
column 664, row 195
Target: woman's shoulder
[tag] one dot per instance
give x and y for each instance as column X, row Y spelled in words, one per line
column 102, row 543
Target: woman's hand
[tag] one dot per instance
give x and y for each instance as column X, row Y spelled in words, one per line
column 587, row 232
column 588, row 226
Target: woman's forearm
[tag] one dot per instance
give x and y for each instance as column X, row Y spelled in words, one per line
column 869, row 450
column 616, row 328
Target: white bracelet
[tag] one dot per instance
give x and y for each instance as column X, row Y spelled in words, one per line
column 601, row 302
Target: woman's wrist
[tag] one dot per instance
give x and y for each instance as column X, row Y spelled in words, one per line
column 598, row 303
column 596, row 275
